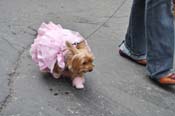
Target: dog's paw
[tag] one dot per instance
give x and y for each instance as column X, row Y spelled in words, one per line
column 80, row 86
column 78, row 83
column 56, row 76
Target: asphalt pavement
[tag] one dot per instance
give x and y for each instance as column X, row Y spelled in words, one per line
column 116, row 87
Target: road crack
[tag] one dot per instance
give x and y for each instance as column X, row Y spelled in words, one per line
column 102, row 25
column 11, row 79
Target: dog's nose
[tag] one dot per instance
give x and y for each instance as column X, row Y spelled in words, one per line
column 90, row 70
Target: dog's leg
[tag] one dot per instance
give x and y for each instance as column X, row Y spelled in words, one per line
column 78, row 82
column 57, row 71
column 56, row 75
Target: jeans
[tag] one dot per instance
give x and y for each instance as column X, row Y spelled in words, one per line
column 151, row 33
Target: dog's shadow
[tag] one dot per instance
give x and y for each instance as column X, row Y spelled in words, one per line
column 63, row 85
column 49, row 80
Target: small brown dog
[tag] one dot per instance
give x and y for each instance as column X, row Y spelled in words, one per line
column 62, row 52
column 79, row 60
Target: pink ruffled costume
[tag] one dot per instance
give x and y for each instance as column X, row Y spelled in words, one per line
column 49, row 46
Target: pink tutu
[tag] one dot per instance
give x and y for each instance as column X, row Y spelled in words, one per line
column 49, row 46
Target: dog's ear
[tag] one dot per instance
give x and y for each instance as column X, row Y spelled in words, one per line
column 71, row 47
column 81, row 45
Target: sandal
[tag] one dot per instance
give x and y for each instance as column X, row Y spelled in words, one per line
column 140, row 62
column 168, row 79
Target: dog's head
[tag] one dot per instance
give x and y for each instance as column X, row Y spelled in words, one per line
column 80, row 59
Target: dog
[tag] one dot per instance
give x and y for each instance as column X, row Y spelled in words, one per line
column 78, row 62
column 63, row 53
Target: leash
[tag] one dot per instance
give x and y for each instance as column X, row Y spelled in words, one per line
column 98, row 28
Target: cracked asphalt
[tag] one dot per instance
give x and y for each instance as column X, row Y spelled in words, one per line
column 117, row 87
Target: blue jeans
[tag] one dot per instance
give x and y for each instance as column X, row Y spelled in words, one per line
column 151, row 34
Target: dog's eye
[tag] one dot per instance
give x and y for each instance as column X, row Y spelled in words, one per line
column 84, row 63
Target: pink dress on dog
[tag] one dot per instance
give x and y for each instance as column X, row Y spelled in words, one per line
column 49, row 46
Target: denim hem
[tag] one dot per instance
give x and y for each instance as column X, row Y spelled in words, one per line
column 157, row 77
column 124, row 49
column 133, row 53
